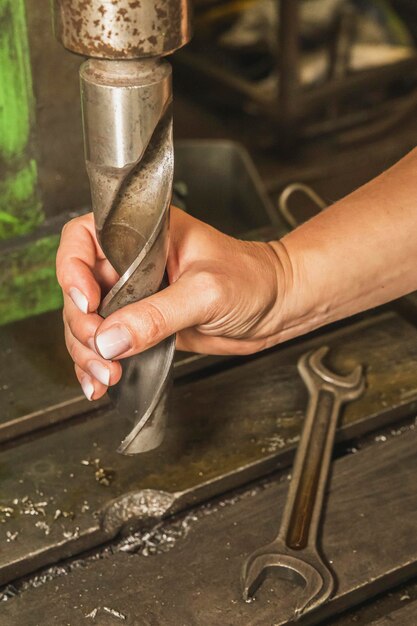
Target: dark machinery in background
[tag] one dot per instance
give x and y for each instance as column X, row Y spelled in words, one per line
column 339, row 98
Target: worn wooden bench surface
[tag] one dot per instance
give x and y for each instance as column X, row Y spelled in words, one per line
column 368, row 535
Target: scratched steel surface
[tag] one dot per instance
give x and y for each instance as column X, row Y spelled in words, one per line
column 187, row 571
column 38, row 385
column 67, row 489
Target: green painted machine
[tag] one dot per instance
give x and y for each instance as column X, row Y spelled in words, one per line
column 38, row 110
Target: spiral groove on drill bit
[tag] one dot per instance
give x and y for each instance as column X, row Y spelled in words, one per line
column 128, row 142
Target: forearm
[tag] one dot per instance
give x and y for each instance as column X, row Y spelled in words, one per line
column 359, row 253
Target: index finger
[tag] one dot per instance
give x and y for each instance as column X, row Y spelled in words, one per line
column 77, row 256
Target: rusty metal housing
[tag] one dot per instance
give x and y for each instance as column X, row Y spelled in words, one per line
column 122, row 29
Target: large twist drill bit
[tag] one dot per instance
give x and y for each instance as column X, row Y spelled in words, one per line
column 127, row 120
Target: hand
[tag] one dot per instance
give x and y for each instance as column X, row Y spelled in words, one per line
column 225, row 297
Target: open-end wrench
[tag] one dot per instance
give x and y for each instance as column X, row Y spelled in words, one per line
column 294, row 553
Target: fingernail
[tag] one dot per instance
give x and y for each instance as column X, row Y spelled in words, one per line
column 88, row 387
column 113, row 342
column 79, row 299
column 100, row 371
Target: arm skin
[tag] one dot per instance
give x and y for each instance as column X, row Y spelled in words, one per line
column 233, row 297
column 359, row 253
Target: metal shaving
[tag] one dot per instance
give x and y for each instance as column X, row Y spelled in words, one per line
column 43, row 526
column 103, row 475
column 160, row 538
column 72, row 534
column 11, row 536
column 57, row 514
column 24, row 506
column 8, row 593
column 274, row 443
column 38, row 508
column 277, row 442
column 5, row 513
column 113, row 612
column 33, row 508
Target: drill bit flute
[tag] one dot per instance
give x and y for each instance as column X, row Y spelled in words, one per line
column 126, row 97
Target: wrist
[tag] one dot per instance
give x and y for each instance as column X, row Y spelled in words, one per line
column 299, row 308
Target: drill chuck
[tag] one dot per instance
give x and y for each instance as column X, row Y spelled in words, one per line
column 122, row 29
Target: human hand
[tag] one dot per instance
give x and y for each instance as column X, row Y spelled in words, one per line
column 225, row 297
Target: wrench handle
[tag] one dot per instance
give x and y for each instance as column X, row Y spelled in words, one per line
column 311, row 470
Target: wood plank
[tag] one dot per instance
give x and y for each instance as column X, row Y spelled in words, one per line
column 225, row 430
column 368, row 536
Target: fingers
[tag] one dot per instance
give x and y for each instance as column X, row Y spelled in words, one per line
column 139, row 326
column 93, row 390
column 79, row 255
column 94, row 373
column 82, row 326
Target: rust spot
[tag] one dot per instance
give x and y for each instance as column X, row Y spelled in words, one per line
column 160, row 13
column 78, row 24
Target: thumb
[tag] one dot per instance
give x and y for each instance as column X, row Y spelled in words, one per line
column 139, row 326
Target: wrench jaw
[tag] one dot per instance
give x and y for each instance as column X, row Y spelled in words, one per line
column 316, row 376
column 308, row 571
column 270, row 557
column 319, row 586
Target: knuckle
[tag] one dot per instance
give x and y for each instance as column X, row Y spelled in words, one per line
column 81, row 326
column 72, row 348
column 66, row 230
column 75, row 350
column 212, row 286
column 69, row 226
column 153, row 324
